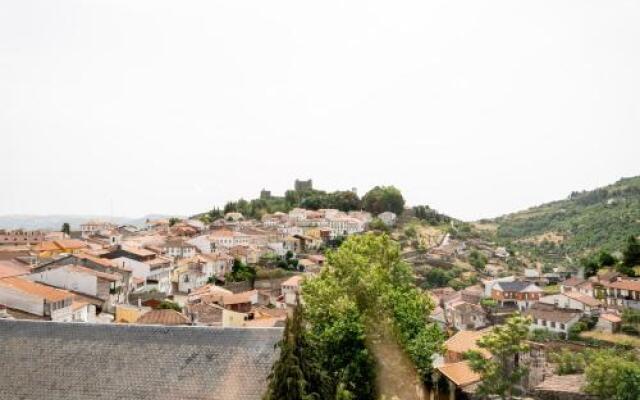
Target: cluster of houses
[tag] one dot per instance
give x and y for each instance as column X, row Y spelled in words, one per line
column 476, row 307
column 107, row 273
column 471, row 312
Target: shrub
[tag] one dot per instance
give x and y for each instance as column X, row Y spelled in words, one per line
column 568, row 362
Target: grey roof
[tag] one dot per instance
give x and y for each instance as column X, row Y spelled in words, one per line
column 56, row 361
column 513, row 286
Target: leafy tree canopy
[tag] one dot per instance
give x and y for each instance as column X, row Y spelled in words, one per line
column 383, row 198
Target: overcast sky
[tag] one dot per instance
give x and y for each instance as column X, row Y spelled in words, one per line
column 476, row 108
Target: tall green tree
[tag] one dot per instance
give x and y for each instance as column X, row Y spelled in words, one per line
column 286, row 381
column 613, row 375
column 66, row 228
column 383, row 198
column 631, row 253
column 501, row 373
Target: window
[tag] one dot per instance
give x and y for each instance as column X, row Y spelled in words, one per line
column 553, row 324
column 562, row 326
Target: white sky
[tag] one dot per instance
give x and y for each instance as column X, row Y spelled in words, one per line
column 476, row 108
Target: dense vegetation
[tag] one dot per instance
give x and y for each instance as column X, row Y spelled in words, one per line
column 430, row 216
column 611, row 374
column 383, row 198
column 377, row 200
column 500, row 373
column 367, row 287
column 241, row 272
column 626, row 265
column 599, row 219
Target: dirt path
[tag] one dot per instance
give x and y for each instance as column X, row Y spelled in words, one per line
column 397, row 378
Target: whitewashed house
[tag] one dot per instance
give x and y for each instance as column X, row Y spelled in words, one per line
column 291, row 290
column 552, row 318
column 202, row 243
column 79, row 279
column 576, row 301
column 388, row 218
column 36, row 299
column 178, row 248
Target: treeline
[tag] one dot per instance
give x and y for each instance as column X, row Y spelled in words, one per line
column 603, row 259
column 324, row 352
column 598, row 219
column 430, row 216
column 377, row 200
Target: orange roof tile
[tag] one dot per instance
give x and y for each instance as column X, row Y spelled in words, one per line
column 293, row 281
column 239, row 298
column 464, row 341
column 11, row 268
column 46, row 246
column 36, row 289
column 611, row 318
column 626, row 284
column 459, row 373
column 163, row 317
column 588, row 300
column 70, row 244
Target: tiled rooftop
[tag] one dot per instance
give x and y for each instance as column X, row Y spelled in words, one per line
column 58, row 361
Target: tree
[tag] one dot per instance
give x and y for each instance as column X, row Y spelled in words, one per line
column 605, row 259
column 66, row 228
column 612, row 375
column 631, row 254
column 169, row 305
column 478, row 260
column 173, row 221
column 345, row 201
column 501, row 372
column 383, row 198
column 376, row 224
column 241, row 272
column 286, row 381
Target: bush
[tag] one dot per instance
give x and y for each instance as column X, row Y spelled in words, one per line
column 630, row 329
column 576, row 330
column 169, row 305
column 568, row 362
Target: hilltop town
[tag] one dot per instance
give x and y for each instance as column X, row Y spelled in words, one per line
column 220, row 287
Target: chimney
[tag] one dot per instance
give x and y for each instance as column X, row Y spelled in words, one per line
column 139, row 302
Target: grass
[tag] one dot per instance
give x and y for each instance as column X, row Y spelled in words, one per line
column 615, row 338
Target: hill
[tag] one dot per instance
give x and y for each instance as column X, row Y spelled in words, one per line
column 564, row 230
column 54, row 222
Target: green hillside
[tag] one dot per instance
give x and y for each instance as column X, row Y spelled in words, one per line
column 565, row 230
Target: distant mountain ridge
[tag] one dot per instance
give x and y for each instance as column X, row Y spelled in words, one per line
column 586, row 221
column 54, row 222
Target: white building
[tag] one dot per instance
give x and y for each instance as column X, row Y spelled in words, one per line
column 202, row 243
column 179, row 249
column 90, row 228
column 79, row 279
column 291, row 290
column 225, row 239
column 576, row 301
column 552, row 318
column 388, row 218
column 345, row 226
column 37, row 299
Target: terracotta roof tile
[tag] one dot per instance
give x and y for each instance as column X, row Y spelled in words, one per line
column 459, row 373
column 626, row 284
column 11, row 268
column 464, row 341
column 36, row 289
column 163, row 317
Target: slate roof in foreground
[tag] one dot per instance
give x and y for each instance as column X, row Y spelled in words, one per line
column 65, row 361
